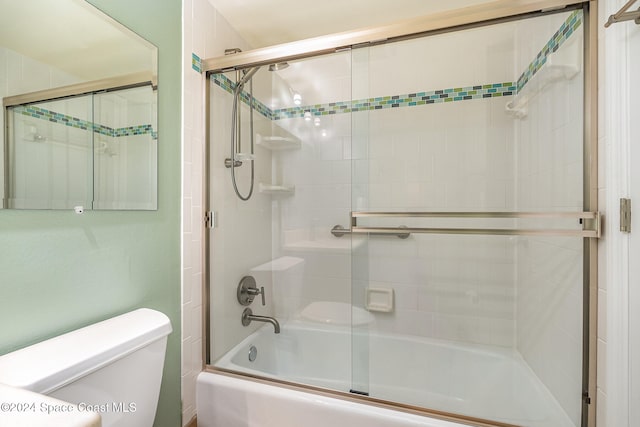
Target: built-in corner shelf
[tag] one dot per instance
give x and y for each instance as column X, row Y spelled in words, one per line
column 564, row 64
column 274, row 137
column 276, row 189
column 278, row 143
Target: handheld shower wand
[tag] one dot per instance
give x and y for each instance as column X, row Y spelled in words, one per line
column 236, row 143
column 237, row 157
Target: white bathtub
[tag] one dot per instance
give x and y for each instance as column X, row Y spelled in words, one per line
column 476, row 381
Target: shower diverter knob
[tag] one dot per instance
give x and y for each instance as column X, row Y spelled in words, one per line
column 247, row 291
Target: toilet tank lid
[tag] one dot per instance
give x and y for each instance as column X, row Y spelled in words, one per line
column 50, row 364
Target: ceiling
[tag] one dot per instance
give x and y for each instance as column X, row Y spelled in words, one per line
column 74, row 37
column 268, row 22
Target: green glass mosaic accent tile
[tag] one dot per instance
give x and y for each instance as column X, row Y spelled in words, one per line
column 564, row 32
column 196, row 63
column 226, row 84
column 404, row 100
column 74, row 122
column 392, row 101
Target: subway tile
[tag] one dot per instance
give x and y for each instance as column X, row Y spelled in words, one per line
column 187, row 321
column 186, row 215
column 187, row 274
column 406, row 296
column 187, row 250
column 196, row 356
column 413, row 322
column 602, row 314
column 601, row 408
column 196, row 325
column 186, row 356
column 188, row 388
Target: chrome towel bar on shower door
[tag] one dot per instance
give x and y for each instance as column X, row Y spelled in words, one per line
column 590, row 222
column 339, row 231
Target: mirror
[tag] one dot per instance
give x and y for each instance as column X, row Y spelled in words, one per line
column 79, row 109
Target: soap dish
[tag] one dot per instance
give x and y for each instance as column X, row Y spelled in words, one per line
column 379, row 299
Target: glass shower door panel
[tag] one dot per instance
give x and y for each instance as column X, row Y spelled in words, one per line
column 50, row 147
column 362, row 321
column 282, row 236
column 484, row 324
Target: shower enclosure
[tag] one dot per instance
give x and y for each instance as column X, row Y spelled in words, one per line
column 422, row 226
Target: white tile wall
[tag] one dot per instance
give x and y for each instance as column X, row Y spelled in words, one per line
column 419, row 161
column 618, row 339
column 634, row 273
column 406, row 155
column 456, row 59
column 321, row 173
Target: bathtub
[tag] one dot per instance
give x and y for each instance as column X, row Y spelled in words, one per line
column 476, row 381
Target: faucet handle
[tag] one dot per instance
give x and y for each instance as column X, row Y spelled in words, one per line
column 255, row 292
column 247, row 291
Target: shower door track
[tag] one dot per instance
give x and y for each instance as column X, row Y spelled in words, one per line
column 479, row 15
column 110, row 84
column 474, row 16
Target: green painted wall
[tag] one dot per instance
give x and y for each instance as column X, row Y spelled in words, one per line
column 60, row 271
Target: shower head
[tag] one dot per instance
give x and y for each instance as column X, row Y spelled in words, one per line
column 278, row 66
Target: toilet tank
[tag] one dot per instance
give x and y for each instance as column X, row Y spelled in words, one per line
column 113, row 367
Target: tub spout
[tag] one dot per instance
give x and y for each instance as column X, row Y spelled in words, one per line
column 248, row 317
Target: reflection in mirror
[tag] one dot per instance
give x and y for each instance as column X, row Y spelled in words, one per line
column 79, row 97
column 125, row 150
column 49, row 162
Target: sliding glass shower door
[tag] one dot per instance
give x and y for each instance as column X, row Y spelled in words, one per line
column 408, row 221
column 468, row 222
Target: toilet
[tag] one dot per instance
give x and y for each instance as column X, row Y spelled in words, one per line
column 113, row 367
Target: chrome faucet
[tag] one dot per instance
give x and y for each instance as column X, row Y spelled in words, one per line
column 248, row 317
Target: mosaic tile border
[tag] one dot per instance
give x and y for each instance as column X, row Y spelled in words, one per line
column 415, row 99
column 196, row 63
column 395, row 101
column 226, row 84
column 74, row 122
column 562, row 35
